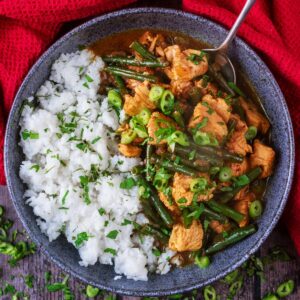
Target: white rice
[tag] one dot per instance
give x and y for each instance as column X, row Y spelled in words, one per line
column 54, row 166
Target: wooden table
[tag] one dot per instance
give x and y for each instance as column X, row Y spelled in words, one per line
column 38, row 264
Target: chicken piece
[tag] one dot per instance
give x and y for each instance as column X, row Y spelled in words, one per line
column 186, row 239
column 133, row 105
column 181, row 189
column 218, row 227
column 215, row 123
column 130, row 150
column 156, row 122
column 264, row 157
column 207, row 87
column 132, row 83
column 181, row 88
column 219, row 105
column 239, row 168
column 151, row 41
column 242, row 206
column 170, row 205
column 238, row 143
column 253, row 117
column 182, row 67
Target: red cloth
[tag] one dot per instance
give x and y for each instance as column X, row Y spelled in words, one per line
column 272, row 28
column 27, row 28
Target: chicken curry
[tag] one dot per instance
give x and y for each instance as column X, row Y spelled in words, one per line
column 203, row 143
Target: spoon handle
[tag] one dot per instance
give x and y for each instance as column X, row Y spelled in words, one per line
column 236, row 25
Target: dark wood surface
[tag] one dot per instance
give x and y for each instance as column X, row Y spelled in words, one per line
column 38, row 264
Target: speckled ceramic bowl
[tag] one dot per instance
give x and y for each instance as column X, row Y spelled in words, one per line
column 191, row 277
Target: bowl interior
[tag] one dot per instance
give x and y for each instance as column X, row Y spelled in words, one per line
column 178, row 280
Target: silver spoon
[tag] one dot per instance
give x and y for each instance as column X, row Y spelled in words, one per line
column 219, row 60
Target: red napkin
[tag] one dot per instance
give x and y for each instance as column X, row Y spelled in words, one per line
column 272, row 28
column 27, row 28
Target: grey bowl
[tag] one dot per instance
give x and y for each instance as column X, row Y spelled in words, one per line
column 178, row 280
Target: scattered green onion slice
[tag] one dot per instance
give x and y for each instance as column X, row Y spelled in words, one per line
column 114, row 99
column 225, row 174
column 128, row 136
column 209, row 293
column 202, row 262
column 167, row 102
column 156, row 93
column 91, row 291
column 286, row 288
column 251, row 133
column 178, row 118
column 255, row 209
column 201, row 138
column 144, row 116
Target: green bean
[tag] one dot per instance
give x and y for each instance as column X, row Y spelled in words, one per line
column 160, row 208
column 140, row 49
column 127, row 61
column 149, row 212
column 210, row 158
column 231, row 127
column 210, row 214
column 150, row 230
column 225, row 210
column 188, row 163
column 252, row 175
column 235, row 88
column 131, row 74
column 120, row 84
column 149, row 151
column 217, row 152
column 172, row 167
column 232, row 238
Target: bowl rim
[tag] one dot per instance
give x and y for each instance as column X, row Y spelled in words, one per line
column 124, row 290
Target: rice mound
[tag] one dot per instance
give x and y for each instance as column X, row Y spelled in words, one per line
column 73, row 171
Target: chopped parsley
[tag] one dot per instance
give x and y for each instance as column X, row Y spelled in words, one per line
column 128, row 183
column 35, row 168
column 95, row 140
column 86, row 85
column 88, row 78
column 200, row 125
column 81, row 238
column 101, row 211
column 63, row 200
column 29, row 280
column 83, row 146
column 210, row 110
column 84, row 182
column 111, row 251
column 28, row 134
column 113, row 234
column 196, row 58
column 182, row 200
column 126, row 222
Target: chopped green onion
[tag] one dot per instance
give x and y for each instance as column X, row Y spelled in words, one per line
column 128, row 136
column 286, row 288
column 198, row 184
column 91, row 291
column 225, row 174
column 255, row 209
column 202, row 261
column 177, row 116
column 156, row 93
column 138, row 128
column 270, row 297
column 178, row 137
column 111, row 251
column 114, row 99
column 28, row 134
column 144, row 116
column 81, row 238
column 209, row 293
column 167, row 102
column 128, row 183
